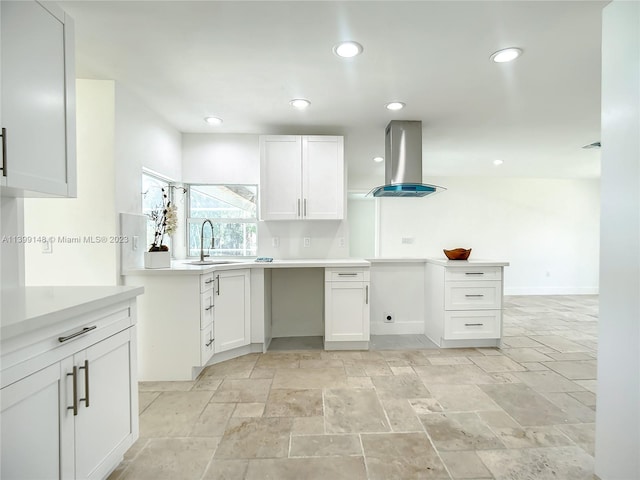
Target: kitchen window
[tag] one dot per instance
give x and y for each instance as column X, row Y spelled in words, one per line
column 233, row 211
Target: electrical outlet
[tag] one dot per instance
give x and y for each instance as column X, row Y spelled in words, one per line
column 407, row 240
column 389, row 317
column 134, row 243
column 307, row 242
column 47, row 247
column 275, row 242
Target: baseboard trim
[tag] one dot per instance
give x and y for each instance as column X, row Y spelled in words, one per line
column 349, row 345
column 400, row 328
column 551, row 290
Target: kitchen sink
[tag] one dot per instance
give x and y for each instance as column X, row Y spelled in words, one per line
column 210, row 262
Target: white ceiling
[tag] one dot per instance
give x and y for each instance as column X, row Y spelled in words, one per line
column 244, row 61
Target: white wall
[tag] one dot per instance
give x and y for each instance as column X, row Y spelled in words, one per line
column 235, row 158
column 220, row 158
column 143, row 140
column 362, row 227
column 11, row 253
column 92, row 213
column 618, row 412
column 397, row 289
column 547, row 229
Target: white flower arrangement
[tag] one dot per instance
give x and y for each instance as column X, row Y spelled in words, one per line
column 165, row 221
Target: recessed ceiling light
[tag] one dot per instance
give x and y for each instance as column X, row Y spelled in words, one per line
column 213, row 120
column 506, row 55
column 378, row 159
column 497, row 163
column 348, row 49
column 395, row 106
column 300, row 103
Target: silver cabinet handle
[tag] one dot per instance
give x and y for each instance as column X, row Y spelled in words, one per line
column 86, row 383
column 218, row 287
column 473, row 324
column 305, row 207
column 347, row 274
column 208, row 343
column 208, row 281
column 366, row 294
column 474, row 273
column 474, row 295
column 298, row 207
column 208, row 308
column 4, row 151
column 74, row 374
column 77, row 334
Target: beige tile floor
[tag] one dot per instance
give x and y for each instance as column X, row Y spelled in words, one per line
column 525, row 411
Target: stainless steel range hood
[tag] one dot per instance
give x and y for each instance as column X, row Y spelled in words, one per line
column 403, row 162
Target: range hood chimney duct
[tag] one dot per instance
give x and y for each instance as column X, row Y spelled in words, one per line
column 403, row 162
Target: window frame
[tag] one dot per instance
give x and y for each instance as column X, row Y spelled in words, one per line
column 189, row 220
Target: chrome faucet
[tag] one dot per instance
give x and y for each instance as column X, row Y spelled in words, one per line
column 202, row 255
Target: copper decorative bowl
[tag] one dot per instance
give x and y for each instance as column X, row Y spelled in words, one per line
column 457, row 253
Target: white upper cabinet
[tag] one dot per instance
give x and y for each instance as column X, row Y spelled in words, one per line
column 301, row 177
column 38, row 100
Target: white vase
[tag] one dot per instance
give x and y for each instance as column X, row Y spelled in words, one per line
column 157, row 259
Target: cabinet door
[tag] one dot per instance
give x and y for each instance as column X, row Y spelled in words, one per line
column 38, row 91
column 206, row 344
column 32, row 445
column 280, row 177
column 322, row 178
column 346, row 311
column 104, row 426
column 232, row 314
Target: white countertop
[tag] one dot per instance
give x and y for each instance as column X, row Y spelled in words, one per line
column 445, row 262
column 442, row 261
column 183, row 267
column 29, row 308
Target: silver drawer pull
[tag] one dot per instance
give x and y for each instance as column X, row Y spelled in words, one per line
column 74, row 374
column 347, row 274
column 86, row 383
column 475, row 295
column 208, row 281
column 474, row 273
column 77, row 334
column 473, row 324
column 209, row 343
column 208, row 308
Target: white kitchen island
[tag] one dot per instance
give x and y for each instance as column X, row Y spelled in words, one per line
column 194, row 315
column 455, row 303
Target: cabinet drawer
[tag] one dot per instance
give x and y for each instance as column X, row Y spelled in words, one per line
column 346, row 275
column 472, row 325
column 473, row 295
column 206, row 308
column 206, row 344
column 456, row 274
column 206, row 282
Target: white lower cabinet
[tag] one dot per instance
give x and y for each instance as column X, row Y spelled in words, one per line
column 31, row 427
column 232, row 310
column 103, row 417
column 77, row 416
column 347, row 321
column 464, row 304
column 185, row 319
